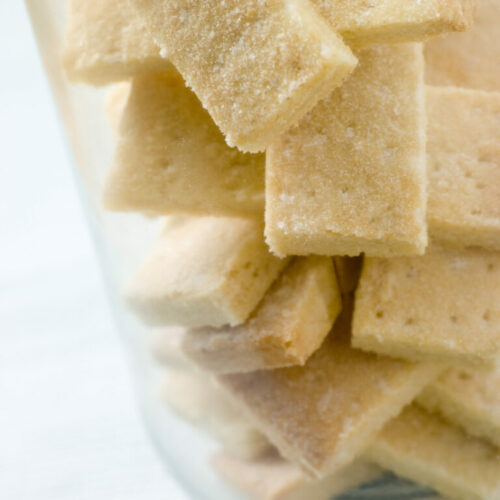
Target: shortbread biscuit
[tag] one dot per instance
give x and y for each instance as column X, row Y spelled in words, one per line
column 423, row 448
column 464, row 167
column 471, row 59
column 197, row 399
column 204, row 271
column 289, row 324
column 442, row 306
column 392, row 21
column 468, row 398
column 171, row 157
column 351, row 177
column 105, row 42
column 348, row 271
column 269, row 477
column 257, row 67
column 116, row 102
column 322, row 415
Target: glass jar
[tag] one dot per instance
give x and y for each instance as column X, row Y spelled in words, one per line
column 122, row 241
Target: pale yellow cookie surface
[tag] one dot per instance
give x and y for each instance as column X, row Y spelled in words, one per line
column 290, row 323
column 204, row 271
column 393, row 21
column 322, row 415
column 351, row 177
column 468, row 398
column 423, row 448
column 471, row 59
column 171, row 157
column 269, row 477
column 105, row 42
column 256, row 66
column 464, row 167
column 441, row 306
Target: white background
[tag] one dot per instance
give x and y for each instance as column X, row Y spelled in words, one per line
column 69, row 428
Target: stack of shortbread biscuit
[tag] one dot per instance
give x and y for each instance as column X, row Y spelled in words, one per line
column 325, row 290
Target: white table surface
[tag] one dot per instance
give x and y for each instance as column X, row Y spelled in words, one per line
column 69, row 428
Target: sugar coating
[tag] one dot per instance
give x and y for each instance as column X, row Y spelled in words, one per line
column 394, row 21
column 196, row 398
column 442, row 306
column 469, row 399
column 106, row 43
column 171, row 157
column 322, row 415
column 257, row 66
column 204, row 271
column 471, row 59
column 348, row 270
column 290, row 323
column 423, row 448
column 464, row 167
column 351, row 177
column 269, row 477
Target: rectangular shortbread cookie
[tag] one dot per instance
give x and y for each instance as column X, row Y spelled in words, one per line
column 442, row 306
column 468, row 398
column 423, row 448
column 257, row 67
column 464, row 167
column 204, row 271
column 322, row 415
column 171, row 157
column 471, row 59
column 394, row 21
column 290, row 323
column 351, row 177
column 196, row 398
column 269, row 477
column 106, row 43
